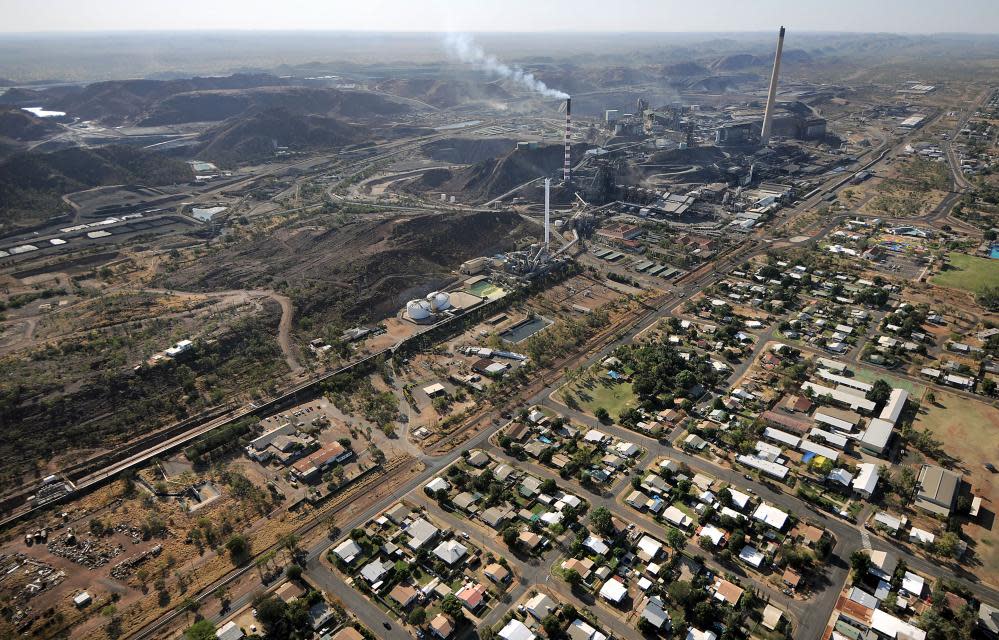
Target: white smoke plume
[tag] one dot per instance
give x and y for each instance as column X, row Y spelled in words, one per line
column 462, row 47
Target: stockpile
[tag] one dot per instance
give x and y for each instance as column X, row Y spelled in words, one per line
column 126, row 567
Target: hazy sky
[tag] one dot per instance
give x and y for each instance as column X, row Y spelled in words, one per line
column 920, row 16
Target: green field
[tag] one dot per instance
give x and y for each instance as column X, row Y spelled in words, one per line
column 970, row 273
column 593, row 391
column 866, row 375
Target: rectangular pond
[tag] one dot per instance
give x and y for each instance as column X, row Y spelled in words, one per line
column 525, row 329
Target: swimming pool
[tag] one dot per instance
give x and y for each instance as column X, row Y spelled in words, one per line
column 525, row 329
column 994, row 254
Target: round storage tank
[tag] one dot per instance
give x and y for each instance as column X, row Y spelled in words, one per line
column 441, row 301
column 418, row 309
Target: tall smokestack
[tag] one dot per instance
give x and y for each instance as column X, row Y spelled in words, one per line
column 566, row 167
column 548, row 184
column 772, row 95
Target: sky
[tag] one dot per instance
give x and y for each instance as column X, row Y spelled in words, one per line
column 899, row 16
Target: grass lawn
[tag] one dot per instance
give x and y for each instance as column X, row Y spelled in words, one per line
column 869, row 375
column 970, row 273
column 592, row 392
column 969, row 430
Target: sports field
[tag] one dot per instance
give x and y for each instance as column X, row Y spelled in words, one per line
column 970, row 273
column 593, row 391
column 869, row 375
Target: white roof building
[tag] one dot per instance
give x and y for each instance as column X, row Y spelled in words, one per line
column 677, row 517
column 866, row 480
column 516, row 630
column 781, row 436
column 875, row 438
column 893, row 408
column 766, row 466
column 422, row 533
column 772, row 516
column 819, row 450
column 739, row 499
column 613, row 590
column 374, row 570
column 437, row 484
column 347, row 550
column 450, row 551
column 913, row 583
column 648, row 548
column 852, row 400
column 751, row 555
column 921, row 536
column 596, row 545
column 889, row 625
column 580, row 630
column 697, row 634
column 842, row 476
column 713, row 533
column 540, row 606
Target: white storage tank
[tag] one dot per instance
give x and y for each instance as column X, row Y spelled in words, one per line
column 418, row 309
column 439, row 301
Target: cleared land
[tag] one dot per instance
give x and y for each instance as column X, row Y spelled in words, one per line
column 970, row 273
column 970, row 432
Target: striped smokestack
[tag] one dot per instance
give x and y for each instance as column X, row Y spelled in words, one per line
column 566, row 167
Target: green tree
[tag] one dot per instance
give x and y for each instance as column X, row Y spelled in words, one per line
column 417, row 616
column 451, row 606
column 600, row 520
column 551, row 625
column 239, row 549
column 572, row 577
column 201, row 630
column 602, row 415
column 879, row 392
column 676, row 539
column 860, row 563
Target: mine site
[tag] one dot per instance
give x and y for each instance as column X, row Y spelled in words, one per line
column 438, row 321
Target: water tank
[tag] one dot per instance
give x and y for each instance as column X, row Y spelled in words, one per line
column 418, row 309
column 442, row 301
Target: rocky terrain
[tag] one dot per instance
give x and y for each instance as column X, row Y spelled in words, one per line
column 361, row 271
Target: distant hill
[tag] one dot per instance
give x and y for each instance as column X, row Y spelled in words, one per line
column 443, row 93
column 256, row 136
column 207, row 106
column 121, row 101
column 684, row 70
column 32, row 184
column 165, row 102
column 737, row 62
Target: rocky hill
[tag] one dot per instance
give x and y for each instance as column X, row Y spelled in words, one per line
column 256, row 136
column 361, row 271
column 495, row 176
column 32, row 184
column 21, row 126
